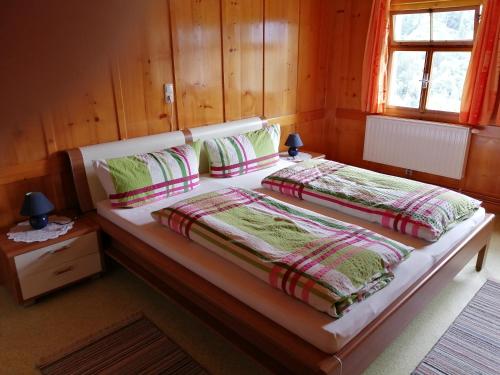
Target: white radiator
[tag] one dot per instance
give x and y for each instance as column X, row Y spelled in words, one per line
column 423, row 146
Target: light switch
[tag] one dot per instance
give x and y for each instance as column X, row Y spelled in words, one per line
column 169, row 92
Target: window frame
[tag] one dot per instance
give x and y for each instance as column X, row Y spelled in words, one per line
column 429, row 47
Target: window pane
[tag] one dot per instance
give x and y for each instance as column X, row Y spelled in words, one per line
column 448, row 71
column 406, row 73
column 412, row 27
column 458, row 25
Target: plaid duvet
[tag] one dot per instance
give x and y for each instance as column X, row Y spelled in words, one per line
column 407, row 206
column 321, row 261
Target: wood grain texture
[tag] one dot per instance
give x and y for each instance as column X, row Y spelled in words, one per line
column 313, row 134
column 197, row 49
column 347, row 50
column 22, row 142
column 213, row 52
column 482, row 175
column 141, row 73
column 293, row 61
column 243, row 57
column 39, row 168
column 281, row 35
column 314, row 33
column 87, row 117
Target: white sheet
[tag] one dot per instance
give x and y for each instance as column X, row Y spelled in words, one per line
column 316, row 328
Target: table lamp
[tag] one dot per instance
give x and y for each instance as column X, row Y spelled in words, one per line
column 293, row 142
column 37, row 207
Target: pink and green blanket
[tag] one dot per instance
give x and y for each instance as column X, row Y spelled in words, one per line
column 321, row 261
column 407, row 206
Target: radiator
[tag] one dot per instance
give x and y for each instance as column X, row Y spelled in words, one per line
column 423, row 146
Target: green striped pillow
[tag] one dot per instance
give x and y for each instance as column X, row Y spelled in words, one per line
column 135, row 180
column 244, row 153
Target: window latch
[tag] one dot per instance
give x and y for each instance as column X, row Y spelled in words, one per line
column 425, row 81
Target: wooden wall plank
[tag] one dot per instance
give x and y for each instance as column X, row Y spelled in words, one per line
column 345, row 136
column 131, row 90
column 117, row 87
column 482, row 175
column 47, row 123
column 161, row 70
column 88, row 117
column 243, row 56
column 142, row 71
column 197, row 52
column 22, row 141
column 315, row 21
column 358, row 28
column 313, row 135
column 281, row 35
column 7, row 217
column 38, row 168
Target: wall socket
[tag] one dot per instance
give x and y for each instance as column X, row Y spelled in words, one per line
column 169, row 93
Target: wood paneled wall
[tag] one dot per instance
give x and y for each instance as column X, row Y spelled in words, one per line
column 295, row 61
column 346, row 123
column 228, row 59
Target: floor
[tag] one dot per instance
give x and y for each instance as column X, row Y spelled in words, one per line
column 28, row 334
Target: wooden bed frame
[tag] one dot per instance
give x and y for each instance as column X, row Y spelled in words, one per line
column 272, row 345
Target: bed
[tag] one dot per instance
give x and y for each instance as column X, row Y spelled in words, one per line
column 247, row 311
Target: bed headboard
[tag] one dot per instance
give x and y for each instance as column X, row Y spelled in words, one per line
column 88, row 187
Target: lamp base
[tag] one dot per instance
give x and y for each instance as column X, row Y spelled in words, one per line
column 293, row 151
column 39, row 221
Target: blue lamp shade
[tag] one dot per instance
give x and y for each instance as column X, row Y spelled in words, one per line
column 37, row 207
column 293, row 142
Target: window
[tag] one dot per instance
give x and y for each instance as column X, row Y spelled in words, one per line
column 429, row 55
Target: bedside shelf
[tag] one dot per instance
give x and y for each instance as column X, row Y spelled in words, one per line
column 30, row 270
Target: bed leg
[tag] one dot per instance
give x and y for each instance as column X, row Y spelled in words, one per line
column 481, row 257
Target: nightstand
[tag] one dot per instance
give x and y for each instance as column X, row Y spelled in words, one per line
column 30, row 270
column 303, row 155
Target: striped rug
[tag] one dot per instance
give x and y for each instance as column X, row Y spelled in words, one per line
column 133, row 346
column 472, row 343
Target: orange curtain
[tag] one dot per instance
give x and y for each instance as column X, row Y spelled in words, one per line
column 480, row 96
column 374, row 79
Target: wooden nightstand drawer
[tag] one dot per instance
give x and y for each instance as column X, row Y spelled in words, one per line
column 30, row 270
column 46, row 280
column 38, row 261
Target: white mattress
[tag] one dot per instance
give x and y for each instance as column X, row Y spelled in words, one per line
column 315, row 327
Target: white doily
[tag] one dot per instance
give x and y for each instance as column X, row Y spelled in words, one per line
column 57, row 226
column 300, row 157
